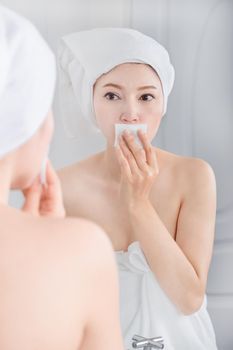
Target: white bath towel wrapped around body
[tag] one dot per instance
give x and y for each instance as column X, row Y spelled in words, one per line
column 146, row 310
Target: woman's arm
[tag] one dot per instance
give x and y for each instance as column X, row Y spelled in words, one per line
column 181, row 266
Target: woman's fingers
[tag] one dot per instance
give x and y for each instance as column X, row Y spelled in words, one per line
column 32, row 197
column 129, row 156
column 138, row 153
column 51, row 200
column 52, row 186
column 123, row 162
column 45, row 200
column 150, row 153
column 133, row 162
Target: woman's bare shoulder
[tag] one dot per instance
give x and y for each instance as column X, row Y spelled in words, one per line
column 79, row 232
column 66, row 234
column 184, row 164
column 186, row 169
column 85, row 247
column 62, row 256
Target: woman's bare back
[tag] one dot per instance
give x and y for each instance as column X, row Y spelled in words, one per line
column 58, row 285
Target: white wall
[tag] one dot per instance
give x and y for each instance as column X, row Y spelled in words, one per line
column 199, row 36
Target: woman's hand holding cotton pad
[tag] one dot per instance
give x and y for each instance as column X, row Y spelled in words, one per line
column 139, row 167
column 46, row 199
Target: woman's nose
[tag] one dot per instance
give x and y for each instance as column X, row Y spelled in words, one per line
column 130, row 115
column 129, row 118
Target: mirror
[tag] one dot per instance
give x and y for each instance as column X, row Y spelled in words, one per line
column 198, row 122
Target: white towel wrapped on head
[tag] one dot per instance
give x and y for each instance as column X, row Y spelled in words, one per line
column 84, row 56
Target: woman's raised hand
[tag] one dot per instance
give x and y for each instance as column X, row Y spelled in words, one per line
column 45, row 200
column 139, row 167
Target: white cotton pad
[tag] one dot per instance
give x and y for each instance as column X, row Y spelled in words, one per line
column 119, row 128
column 43, row 171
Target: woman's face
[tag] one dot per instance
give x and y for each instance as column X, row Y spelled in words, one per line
column 130, row 93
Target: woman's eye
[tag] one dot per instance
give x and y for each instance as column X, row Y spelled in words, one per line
column 111, row 96
column 145, row 97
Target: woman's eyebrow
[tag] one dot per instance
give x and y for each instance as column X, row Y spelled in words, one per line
column 113, row 85
column 140, row 88
column 147, row 87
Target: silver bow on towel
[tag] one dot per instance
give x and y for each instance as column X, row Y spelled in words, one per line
column 147, row 343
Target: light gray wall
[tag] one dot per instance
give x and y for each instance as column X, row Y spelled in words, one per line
column 198, row 34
